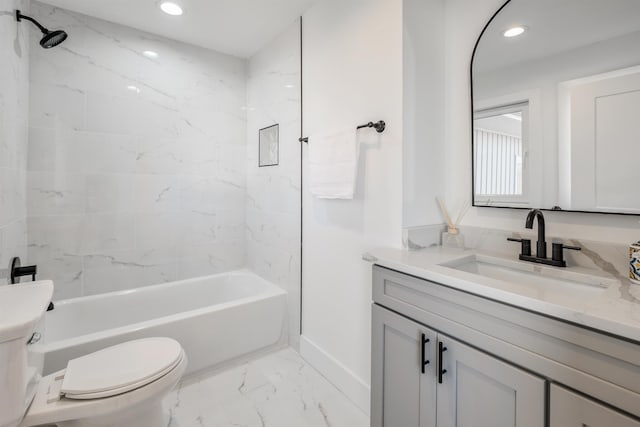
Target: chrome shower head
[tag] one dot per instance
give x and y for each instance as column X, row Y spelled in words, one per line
column 50, row 38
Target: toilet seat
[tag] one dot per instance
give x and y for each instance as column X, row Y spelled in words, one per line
column 120, row 369
column 50, row 407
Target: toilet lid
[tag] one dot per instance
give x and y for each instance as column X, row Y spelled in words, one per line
column 121, row 368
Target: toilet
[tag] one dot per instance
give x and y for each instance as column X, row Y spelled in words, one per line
column 122, row 385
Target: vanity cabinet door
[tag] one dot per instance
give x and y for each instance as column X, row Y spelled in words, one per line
column 403, row 394
column 480, row 390
column 569, row 409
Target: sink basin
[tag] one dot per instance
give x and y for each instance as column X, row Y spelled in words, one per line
column 532, row 279
column 21, row 307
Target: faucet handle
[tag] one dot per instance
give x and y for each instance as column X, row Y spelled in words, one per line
column 17, row 271
column 557, row 251
column 526, row 245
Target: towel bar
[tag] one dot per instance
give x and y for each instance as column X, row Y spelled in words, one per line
column 379, row 126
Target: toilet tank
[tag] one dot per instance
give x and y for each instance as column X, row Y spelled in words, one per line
column 22, row 309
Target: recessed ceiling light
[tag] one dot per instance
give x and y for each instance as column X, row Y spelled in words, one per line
column 150, row 54
column 171, row 8
column 133, row 88
column 514, row 31
column 289, row 86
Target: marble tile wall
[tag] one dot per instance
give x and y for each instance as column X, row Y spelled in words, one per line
column 136, row 165
column 14, row 113
column 273, row 193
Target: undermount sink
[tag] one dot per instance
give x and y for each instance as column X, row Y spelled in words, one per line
column 532, row 279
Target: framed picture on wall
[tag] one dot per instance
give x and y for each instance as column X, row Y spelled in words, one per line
column 269, row 146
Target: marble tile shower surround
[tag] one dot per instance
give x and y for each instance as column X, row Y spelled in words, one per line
column 14, row 114
column 136, row 166
column 611, row 258
column 273, row 193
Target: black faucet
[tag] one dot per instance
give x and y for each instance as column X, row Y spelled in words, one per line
column 557, row 254
column 541, row 246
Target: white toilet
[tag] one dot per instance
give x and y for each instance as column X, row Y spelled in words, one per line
column 123, row 385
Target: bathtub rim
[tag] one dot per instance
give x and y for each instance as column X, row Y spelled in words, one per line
column 271, row 291
column 240, row 272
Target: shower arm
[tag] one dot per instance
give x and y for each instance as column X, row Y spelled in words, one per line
column 20, row 17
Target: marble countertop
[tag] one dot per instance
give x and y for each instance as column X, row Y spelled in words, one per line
column 614, row 310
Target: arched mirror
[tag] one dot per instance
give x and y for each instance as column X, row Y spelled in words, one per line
column 556, row 106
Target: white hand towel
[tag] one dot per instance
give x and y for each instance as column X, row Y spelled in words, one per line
column 333, row 164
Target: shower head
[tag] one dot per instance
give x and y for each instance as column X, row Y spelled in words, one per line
column 53, row 39
column 50, row 38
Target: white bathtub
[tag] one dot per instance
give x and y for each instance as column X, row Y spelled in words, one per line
column 216, row 319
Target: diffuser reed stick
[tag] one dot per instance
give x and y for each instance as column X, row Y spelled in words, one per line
column 452, row 229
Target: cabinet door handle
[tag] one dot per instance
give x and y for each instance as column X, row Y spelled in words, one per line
column 441, row 372
column 423, row 353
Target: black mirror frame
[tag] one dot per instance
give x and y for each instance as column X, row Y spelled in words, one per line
column 473, row 192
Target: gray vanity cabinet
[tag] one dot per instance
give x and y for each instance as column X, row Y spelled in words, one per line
column 504, row 366
column 403, row 372
column 459, row 386
column 569, row 409
column 480, row 390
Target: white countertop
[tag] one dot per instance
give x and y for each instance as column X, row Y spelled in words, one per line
column 615, row 310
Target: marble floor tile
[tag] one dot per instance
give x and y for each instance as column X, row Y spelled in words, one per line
column 278, row 390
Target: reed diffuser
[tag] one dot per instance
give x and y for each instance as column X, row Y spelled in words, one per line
column 452, row 237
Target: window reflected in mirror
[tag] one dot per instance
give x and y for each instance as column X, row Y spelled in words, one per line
column 499, row 154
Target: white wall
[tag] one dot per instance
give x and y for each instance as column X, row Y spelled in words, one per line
column 423, row 115
column 464, row 21
column 352, row 74
column 14, row 113
column 133, row 187
column 273, row 193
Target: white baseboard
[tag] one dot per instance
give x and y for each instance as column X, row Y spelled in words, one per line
column 339, row 375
